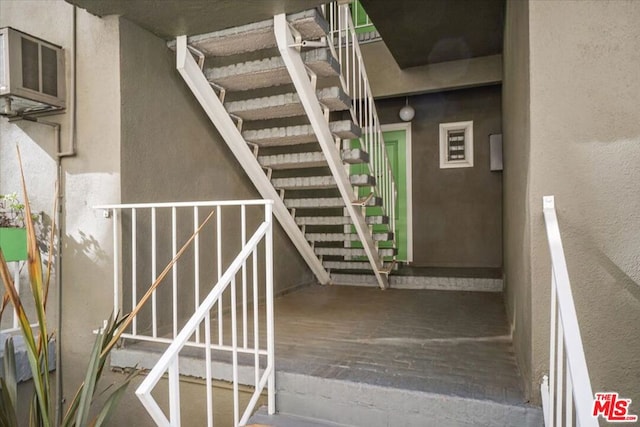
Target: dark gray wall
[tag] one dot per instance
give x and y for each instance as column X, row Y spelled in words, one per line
column 457, row 213
column 170, row 151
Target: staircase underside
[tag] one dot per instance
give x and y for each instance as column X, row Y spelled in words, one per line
column 356, row 356
column 287, row 114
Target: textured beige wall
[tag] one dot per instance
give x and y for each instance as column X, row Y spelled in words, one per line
column 90, row 178
column 516, row 149
column 585, row 150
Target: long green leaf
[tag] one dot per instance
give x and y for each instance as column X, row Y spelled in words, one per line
column 90, row 382
column 29, row 339
column 34, row 264
column 8, row 410
column 112, row 401
column 9, row 363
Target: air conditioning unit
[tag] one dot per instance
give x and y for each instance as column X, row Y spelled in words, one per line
column 32, row 74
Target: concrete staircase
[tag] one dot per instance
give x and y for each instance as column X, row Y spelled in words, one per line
column 253, row 83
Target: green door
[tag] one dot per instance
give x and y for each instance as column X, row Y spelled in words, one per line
column 396, row 141
column 396, row 144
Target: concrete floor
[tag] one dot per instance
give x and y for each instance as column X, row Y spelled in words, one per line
column 445, row 342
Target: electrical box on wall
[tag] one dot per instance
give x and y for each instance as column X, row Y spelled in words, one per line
column 495, row 148
column 32, row 74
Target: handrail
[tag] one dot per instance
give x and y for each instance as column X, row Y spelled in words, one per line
column 566, row 350
column 289, row 42
column 244, row 327
column 344, row 45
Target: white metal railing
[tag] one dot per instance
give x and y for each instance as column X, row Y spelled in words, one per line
column 226, row 320
column 568, row 388
column 344, row 45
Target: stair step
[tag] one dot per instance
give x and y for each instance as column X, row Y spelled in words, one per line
column 274, row 137
column 312, row 159
column 286, row 105
column 263, row 419
column 270, row 71
column 318, row 182
column 352, row 265
column 353, row 251
column 324, row 202
column 340, row 237
column 256, row 36
column 338, row 220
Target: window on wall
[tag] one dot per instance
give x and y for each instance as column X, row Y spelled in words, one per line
column 456, row 145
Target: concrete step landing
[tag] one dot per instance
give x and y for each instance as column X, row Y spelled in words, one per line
column 320, row 182
column 325, row 202
column 311, row 159
column 286, row 105
column 262, row 419
column 359, row 404
column 302, row 134
column 257, row 36
column 338, row 220
column 270, row 71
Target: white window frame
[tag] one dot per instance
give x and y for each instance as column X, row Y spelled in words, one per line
column 467, row 126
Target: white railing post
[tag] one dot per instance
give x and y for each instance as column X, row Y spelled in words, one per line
column 568, row 373
column 270, row 314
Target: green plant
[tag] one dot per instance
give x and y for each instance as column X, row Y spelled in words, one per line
column 11, row 211
column 37, row 345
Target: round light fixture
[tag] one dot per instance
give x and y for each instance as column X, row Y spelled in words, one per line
column 407, row 113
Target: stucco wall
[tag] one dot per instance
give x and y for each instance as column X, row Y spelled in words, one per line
column 90, row 178
column 585, row 150
column 457, row 213
column 516, row 149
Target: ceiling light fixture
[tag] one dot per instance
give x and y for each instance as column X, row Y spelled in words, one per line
column 407, row 113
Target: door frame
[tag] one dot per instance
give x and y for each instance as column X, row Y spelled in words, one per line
column 406, row 126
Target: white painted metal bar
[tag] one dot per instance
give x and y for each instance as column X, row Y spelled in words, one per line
column 154, row 273
column 271, row 395
column 569, row 349
column 256, row 319
column 568, row 421
column 243, row 220
column 552, row 350
column 174, row 391
column 219, row 270
column 207, row 367
column 559, row 375
column 306, row 93
column 116, row 262
column 234, row 351
column 134, row 267
column 213, row 107
column 218, row 203
column 174, row 271
column 196, row 265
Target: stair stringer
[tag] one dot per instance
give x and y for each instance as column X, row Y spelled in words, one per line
column 213, row 107
column 320, row 125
